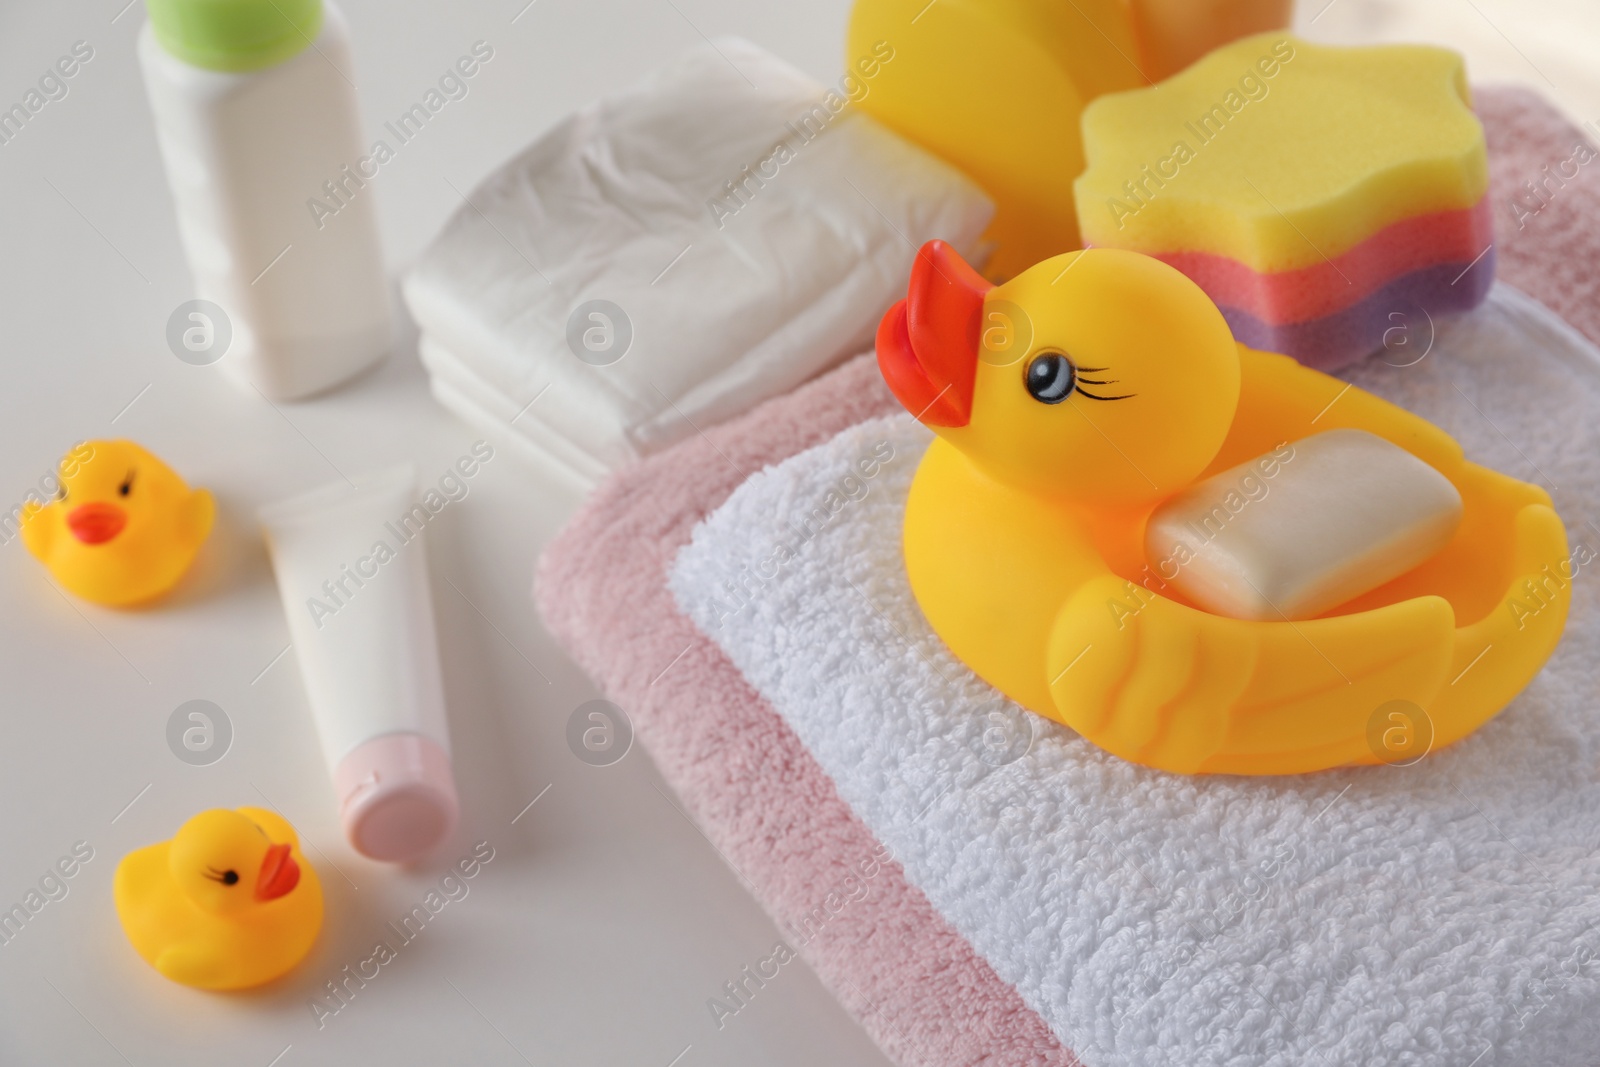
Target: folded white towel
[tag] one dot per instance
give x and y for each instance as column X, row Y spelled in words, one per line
column 1440, row 915
column 750, row 225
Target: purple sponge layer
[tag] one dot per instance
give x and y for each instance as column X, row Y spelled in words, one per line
column 1396, row 316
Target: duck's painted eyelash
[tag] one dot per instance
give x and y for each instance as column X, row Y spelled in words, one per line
column 1082, row 381
column 225, row 877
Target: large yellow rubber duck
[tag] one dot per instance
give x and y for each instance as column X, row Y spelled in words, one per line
column 1024, row 528
column 124, row 527
column 229, row 903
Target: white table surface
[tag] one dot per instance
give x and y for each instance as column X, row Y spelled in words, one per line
column 605, row 921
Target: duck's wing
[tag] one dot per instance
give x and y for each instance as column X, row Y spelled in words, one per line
column 200, row 966
column 1168, row 686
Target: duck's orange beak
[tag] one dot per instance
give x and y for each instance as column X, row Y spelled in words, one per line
column 279, row 874
column 928, row 342
column 96, row 523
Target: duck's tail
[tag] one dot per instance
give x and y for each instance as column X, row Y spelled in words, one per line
column 1496, row 656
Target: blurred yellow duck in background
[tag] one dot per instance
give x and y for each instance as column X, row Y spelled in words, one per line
column 229, row 903
column 997, row 87
column 123, row 529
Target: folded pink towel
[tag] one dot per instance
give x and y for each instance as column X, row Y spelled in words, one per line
column 917, row 987
column 1544, row 181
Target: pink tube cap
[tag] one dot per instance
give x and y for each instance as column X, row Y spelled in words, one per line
column 397, row 796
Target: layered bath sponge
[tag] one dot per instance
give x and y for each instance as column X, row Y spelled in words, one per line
column 1311, row 191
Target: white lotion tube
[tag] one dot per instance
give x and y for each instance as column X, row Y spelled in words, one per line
column 257, row 124
column 353, row 575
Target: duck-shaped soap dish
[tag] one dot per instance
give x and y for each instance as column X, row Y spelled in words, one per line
column 1200, row 557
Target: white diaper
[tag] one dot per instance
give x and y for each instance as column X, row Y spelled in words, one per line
column 746, row 226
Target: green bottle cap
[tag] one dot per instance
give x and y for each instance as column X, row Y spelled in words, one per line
column 234, row 35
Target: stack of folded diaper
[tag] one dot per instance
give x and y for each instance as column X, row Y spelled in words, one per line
column 669, row 256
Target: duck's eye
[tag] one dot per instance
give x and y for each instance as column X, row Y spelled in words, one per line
column 123, row 490
column 1051, row 377
column 225, row 877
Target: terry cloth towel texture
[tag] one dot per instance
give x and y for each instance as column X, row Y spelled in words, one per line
column 741, row 227
column 1404, row 915
column 915, row 984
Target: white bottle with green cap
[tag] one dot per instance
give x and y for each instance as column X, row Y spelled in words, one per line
column 256, row 116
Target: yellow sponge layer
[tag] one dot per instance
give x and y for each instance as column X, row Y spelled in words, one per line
column 1281, row 154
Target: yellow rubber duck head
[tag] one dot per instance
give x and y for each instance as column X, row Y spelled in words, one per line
column 224, row 862
column 122, row 529
column 1103, row 376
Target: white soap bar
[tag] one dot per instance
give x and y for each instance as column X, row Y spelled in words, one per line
column 1303, row 528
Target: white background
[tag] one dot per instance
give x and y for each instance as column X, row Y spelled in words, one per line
column 605, row 920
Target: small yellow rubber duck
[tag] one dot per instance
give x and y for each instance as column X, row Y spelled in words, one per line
column 229, row 903
column 1076, row 398
column 123, row 528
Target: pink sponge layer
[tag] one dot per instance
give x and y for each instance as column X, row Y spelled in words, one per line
column 1334, row 285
